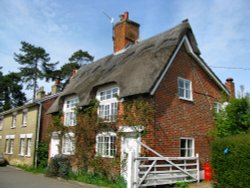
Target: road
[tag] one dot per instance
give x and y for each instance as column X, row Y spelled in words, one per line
column 11, row 177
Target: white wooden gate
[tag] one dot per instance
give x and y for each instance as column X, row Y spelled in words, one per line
column 161, row 170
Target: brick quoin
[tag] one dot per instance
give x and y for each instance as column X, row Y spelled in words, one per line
column 176, row 118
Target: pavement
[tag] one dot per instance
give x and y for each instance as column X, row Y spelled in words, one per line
column 11, row 177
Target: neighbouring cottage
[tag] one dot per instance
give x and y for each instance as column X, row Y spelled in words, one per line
column 23, row 128
column 165, row 70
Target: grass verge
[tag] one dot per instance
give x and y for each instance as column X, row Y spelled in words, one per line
column 83, row 177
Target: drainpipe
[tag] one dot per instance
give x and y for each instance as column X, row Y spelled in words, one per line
column 38, row 131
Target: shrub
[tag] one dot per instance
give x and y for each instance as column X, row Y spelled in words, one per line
column 231, row 169
column 107, row 168
column 59, row 166
column 42, row 155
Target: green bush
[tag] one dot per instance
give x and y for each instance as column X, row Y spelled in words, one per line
column 181, row 185
column 59, row 166
column 231, row 169
column 42, row 155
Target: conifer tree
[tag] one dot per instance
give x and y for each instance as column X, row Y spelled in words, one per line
column 35, row 65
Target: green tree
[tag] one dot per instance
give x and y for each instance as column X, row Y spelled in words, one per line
column 234, row 119
column 35, row 62
column 81, row 57
column 75, row 61
column 11, row 94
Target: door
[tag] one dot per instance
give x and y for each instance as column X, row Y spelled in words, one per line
column 54, row 144
column 128, row 144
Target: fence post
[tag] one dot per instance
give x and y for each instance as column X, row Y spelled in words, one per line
column 130, row 170
column 198, row 167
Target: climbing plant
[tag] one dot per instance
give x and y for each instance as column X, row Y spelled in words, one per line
column 137, row 112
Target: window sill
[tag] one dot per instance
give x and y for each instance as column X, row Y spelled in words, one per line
column 8, row 153
column 68, row 153
column 69, row 125
column 27, row 155
column 12, row 127
column 21, row 155
column 24, row 125
column 185, row 99
column 105, row 156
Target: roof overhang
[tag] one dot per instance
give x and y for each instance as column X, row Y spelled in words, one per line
column 190, row 50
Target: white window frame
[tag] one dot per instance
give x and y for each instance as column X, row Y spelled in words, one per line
column 14, row 119
column 9, row 144
column 24, row 118
column 1, row 122
column 28, row 147
column 217, row 107
column 189, row 151
column 100, row 146
column 108, row 103
column 68, row 144
column 22, row 146
column 185, row 89
column 69, row 107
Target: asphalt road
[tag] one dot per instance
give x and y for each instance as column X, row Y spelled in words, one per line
column 11, row 177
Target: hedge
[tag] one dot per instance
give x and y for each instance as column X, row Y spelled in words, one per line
column 231, row 161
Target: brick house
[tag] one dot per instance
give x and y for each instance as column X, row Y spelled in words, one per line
column 166, row 70
column 24, row 127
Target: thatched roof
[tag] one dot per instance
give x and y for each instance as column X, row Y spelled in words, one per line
column 135, row 70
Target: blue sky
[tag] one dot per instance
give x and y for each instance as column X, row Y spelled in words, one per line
column 61, row 27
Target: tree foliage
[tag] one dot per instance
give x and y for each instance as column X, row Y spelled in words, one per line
column 11, row 94
column 81, row 57
column 35, row 65
column 234, row 119
column 76, row 60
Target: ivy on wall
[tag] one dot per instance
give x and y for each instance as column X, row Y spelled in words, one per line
column 137, row 111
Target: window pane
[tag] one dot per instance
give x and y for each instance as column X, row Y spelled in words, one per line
column 187, row 85
column 114, row 92
column 181, row 92
column 187, row 94
column 183, row 143
column 183, row 153
column 190, row 144
column 181, row 83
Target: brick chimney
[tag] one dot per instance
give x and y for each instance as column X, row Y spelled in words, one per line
column 230, row 86
column 40, row 93
column 56, row 87
column 126, row 32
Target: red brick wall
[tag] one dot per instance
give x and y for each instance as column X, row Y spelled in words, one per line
column 46, row 120
column 176, row 118
column 124, row 33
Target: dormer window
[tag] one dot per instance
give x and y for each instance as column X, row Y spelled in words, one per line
column 107, row 97
column 69, row 110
